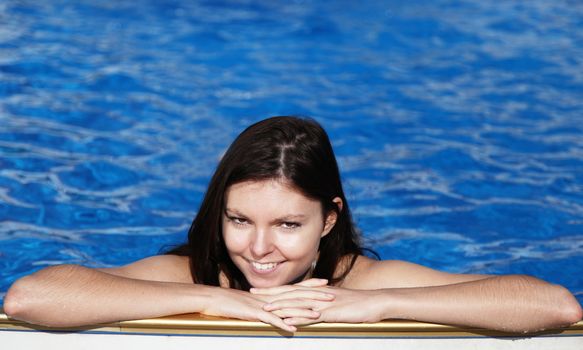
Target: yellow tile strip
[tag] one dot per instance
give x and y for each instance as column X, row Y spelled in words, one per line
column 207, row 325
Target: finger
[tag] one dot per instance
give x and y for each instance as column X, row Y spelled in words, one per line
column 295, row 304
column 313, row 294
column 272, row 290
column 299, row 321
column 313, row 282
column 292, row 313
column 272, row 319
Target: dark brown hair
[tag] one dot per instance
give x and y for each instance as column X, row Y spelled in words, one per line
column 296, row 150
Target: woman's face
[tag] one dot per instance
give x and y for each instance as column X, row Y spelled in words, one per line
column 272, row 231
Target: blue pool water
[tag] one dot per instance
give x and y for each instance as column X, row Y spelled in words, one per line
column 457, row 124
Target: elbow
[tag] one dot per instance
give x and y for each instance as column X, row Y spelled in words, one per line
column 575, row 314
column 569, row 308
column 29, row 299
column 555, row 306
column 15, row 302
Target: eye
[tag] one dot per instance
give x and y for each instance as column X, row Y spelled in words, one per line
column 290, row 225
column 238, row 221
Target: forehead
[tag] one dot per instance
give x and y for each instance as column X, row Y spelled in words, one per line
column 269, row 196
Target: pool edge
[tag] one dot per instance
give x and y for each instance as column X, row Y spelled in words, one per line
column 197, row 324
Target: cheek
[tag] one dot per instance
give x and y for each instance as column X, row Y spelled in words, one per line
column 299, row 246
column 235, row 242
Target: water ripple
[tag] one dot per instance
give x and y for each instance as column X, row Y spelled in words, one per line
column 457, row 125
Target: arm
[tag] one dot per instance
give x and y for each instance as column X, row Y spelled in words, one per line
column 513, row 303
column 70, row 295
column 377, row 290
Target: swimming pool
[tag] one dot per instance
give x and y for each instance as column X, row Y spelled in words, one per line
column 457, row 123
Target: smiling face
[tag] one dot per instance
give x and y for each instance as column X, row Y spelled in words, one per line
column 272, row 231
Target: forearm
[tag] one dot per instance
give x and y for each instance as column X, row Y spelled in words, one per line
column 67, row 295
column 507, row 303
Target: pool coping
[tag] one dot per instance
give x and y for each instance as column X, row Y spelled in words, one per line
column 198, row 324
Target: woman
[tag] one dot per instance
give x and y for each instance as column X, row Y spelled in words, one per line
column 274, row 241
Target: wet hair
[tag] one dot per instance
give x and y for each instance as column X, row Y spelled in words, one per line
column 295, row 150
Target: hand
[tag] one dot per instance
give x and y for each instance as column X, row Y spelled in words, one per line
column 353, row 306
column 246, row 306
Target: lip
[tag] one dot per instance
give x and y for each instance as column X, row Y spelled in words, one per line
column 264, row 272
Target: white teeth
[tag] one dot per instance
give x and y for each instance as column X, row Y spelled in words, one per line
column 263, row 267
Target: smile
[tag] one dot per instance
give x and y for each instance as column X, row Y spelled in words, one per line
column 267, row 267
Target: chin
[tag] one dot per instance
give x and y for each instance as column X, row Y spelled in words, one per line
column 264, row 283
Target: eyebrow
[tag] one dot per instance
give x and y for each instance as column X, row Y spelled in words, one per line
column 280, row 219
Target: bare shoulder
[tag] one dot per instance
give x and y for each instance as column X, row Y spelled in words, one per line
column 163, row 268
column 369, row 273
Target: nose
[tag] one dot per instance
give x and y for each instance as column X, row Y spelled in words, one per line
column 261, row 243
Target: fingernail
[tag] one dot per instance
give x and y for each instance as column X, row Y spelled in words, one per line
column 266, row 307
column 252, row 289
column 331, row 296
